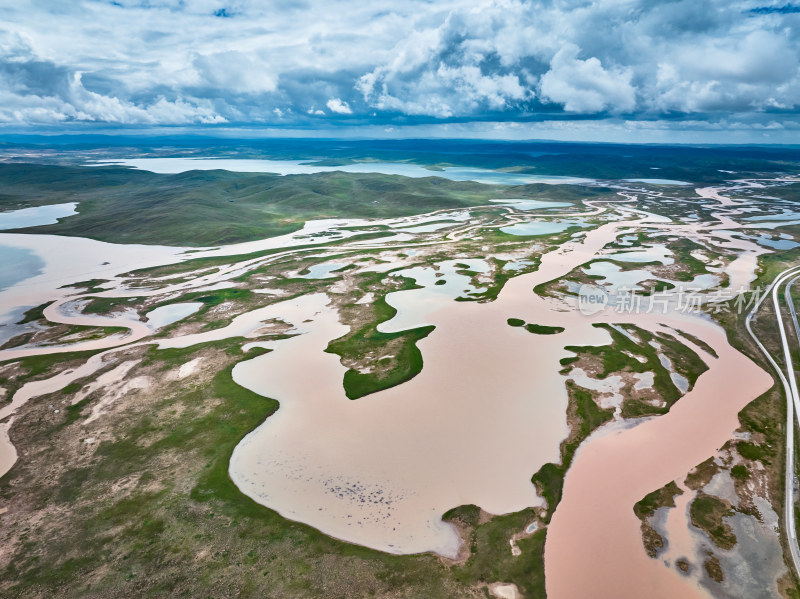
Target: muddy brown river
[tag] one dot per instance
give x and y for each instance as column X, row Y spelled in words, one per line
column 486, row 412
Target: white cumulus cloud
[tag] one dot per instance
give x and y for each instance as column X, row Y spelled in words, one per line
column 336, row 105
column 585, row 86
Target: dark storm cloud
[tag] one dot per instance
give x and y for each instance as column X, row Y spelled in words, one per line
column 35, row 77
column 767, row 10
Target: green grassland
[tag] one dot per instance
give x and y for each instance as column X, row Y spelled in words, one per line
column 708, row 513
column 646, row 507
column 537, row 329
column 617, row 357
column 90, row 286
column 663, row 497
column 206, row 208
column 688, row 266
column 788, row 191
column 33, row 368
column 107, row 305
column 583, row 410
column 364, row 339
column 34, row 314
column 499, row 276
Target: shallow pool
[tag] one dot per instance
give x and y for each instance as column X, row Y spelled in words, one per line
column 165, row 315
column 524, row 204
column 541, row 227
column 321, row 271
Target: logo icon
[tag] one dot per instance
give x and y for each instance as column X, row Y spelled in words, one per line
column 591, row 299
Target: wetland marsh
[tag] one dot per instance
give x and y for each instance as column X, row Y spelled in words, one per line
column 552, row 428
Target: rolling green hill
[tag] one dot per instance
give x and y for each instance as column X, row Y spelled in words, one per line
column 201, row 208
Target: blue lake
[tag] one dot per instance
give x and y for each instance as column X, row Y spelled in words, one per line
column 540, row 227
column 299, row 167
column 778, row 244
column 34, row 217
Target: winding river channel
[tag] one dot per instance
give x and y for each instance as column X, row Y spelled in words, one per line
column 486, row 412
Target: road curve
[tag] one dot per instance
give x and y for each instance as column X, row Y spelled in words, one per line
column 789, row 382
column 789, row 464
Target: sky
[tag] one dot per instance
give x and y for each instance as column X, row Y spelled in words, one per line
column 604, row 70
